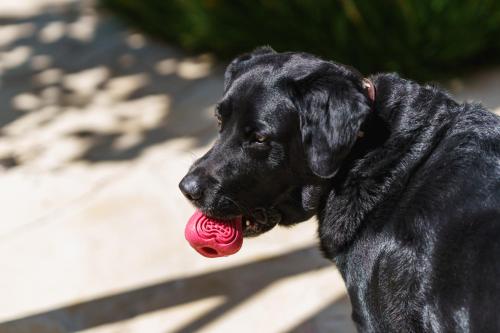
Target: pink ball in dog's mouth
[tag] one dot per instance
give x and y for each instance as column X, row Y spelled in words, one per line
column 214, row 238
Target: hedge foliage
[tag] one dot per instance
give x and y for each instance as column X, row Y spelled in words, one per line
column 419, row 38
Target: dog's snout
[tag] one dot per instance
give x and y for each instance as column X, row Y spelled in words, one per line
column 191, row 187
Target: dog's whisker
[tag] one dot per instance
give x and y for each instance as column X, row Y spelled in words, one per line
column 241, row 207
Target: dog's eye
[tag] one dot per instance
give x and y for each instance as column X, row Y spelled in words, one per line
column 259, row 138
column 258, row 142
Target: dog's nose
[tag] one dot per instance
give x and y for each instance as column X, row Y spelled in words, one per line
column 191, row 187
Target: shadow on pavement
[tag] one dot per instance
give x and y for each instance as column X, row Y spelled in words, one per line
column 78, row 86
column 335, row 318
column 236, row 284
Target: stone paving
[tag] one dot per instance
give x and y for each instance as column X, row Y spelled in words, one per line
column 97, row 125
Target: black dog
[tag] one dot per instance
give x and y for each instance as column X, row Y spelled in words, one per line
column 405, row 182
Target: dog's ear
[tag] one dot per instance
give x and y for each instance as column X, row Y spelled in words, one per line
column 331, row 105
column 239, row 63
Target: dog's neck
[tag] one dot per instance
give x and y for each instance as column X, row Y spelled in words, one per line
column 372, row 170
column 395, row 96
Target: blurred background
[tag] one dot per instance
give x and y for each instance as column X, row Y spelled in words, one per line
column 104, row 106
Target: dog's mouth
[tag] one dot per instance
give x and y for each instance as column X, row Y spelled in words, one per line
column 255, row 222
column 260, row 220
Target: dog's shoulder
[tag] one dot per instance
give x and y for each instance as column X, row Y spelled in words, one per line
column 419, row 209
column 437, row 148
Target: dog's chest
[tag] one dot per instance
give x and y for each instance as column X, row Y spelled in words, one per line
column 383, row 284
column 357, row 267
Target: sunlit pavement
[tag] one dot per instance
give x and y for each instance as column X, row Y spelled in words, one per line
column 97, row 125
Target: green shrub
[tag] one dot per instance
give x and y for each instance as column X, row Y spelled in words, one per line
column 420, row 38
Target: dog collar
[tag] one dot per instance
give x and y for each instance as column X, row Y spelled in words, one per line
column 370, row 89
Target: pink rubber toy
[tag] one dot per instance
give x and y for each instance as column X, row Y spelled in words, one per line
column 214, row 238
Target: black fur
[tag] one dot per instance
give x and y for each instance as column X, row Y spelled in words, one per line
column 409, row 211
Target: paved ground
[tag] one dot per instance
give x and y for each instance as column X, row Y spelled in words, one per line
column 97, row 126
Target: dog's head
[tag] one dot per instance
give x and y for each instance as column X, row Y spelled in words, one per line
column 286, row 122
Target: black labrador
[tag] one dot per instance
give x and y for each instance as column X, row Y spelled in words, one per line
column 404, row 180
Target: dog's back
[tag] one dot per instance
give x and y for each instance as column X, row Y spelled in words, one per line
column 426, row 257
column 465, row 270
